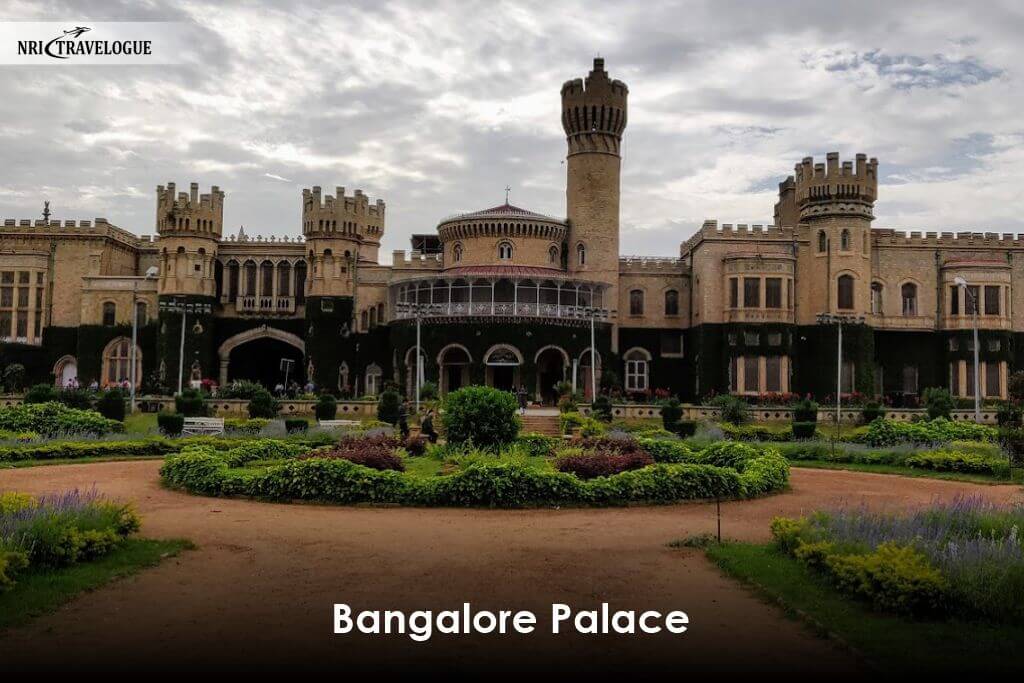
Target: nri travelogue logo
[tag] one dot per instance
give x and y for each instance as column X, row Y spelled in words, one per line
column 68, row 44
column 98, row 43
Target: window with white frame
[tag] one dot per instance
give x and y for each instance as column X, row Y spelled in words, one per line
column 505, row 251
column 374, row 375
column 637, row 366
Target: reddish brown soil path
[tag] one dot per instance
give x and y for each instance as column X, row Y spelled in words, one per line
column 259, row 590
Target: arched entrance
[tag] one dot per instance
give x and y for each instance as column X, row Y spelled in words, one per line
column 502, row 363
column 256, row 355
column 65, row 372
column 552, row 363
column 454, row 361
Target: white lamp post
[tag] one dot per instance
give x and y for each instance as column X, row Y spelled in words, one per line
column 151, row 274
column 839, row 321
column 962, row 284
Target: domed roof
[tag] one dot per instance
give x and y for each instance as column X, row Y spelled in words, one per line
column 505, row 210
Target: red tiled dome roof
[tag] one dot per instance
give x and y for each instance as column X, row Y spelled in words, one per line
column 505, row 210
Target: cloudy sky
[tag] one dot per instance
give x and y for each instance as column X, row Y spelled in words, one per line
column 437, row 106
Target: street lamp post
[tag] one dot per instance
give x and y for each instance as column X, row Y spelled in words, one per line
column 150, row 275
column 839, row 321
column 593, row 357
column 962, row 284
column 183, row 307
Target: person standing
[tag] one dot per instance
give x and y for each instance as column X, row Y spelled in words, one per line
column 521, row 394
column 427, row 427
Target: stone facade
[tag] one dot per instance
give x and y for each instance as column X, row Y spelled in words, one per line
column 513, row 298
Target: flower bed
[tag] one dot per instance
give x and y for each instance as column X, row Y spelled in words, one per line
column 958, row 456
column 507, row 479
column 58, row 530
column 964, row 558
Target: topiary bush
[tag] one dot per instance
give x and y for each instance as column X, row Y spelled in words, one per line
column 41, row 393
column 170, row 424
column 295, row 425
column 938, row 402
column 871, row 412
column 804, row 430
column 685, row 428
column 483, row 416
column 110, row 405
column 734, row 409
column 805, row 410
column 601, row 408
column 389, row 406
column 326, row 407
column 671, row 412
column 263, row 405
column 191, row 403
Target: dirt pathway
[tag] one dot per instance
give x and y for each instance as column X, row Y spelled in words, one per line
column 259, row 590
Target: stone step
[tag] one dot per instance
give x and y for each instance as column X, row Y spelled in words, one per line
column 548, row 425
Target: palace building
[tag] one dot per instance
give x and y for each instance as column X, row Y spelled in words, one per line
column 508, row 297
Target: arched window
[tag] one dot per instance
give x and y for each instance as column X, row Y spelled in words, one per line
column 671, row 302
column 457, row 253
column 266, row 278
column 364, row 321
column 117, row 362
column 250, row 278
column 300, row 282
column 374, row 375
column 109, row 313
column 140, row 313
column 876, row 298
column 380, row 314
column 637, row 366
column 844, row 240
column 909, row 295
column 636, row 302
column 553, row 255
column 284, row 279
column 822, row 242
column 373, row 317
column 581, row 254
column 505, row 251
column 845, row 292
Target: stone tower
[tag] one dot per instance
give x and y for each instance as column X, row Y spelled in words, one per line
column 836, row 203
column 190, row 226
column 594, row 117
column 340, row 232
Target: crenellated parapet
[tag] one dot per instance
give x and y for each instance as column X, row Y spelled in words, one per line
column 341, row 215
column 189, row 213
column 594, row 112
column 835, row 189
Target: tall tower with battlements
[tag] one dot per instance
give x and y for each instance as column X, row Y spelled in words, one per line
column 594, row 117
column 341, row 232
column 190, row 227
column 835, row 200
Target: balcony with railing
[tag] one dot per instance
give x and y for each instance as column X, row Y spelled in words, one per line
column 500, row 297
column 265, row 305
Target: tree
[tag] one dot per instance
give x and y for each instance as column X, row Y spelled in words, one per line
column 938, row 401
column 111, row 405
column 14, row 377
column 388, row 406
column 263, row 404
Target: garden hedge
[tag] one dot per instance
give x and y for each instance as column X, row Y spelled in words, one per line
column 481, row 484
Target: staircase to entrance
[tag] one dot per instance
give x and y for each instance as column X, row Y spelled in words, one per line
column 541, row 421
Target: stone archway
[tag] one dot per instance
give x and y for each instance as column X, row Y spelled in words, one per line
column 502, row 365
column 551, row 364
column 261, row 332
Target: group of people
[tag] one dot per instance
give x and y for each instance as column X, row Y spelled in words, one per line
column 293, row 389
column 426, row 424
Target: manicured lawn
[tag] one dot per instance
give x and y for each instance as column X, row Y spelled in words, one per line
column 890, row 642
column 39, row 593
column 1018, row 475
column 140, row 423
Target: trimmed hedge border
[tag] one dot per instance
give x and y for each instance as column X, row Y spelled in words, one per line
column 101, row 449
column 500, row 484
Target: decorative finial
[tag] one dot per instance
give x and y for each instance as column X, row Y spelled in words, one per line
column 46, row 211
column 507, row 190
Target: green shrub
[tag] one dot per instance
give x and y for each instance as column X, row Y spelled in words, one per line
column 80, row 398
column 728, row 454
column 664, row 450
column 685, row 428
column 53, row 419
column 259, row 449
column 601, row 408
column 326, row 407
column 483, row 416
column 110, row 405
column 14, row 378
column 1008, row 415
column 242, row 389
column 295, row 425
column 170, row 424
column 537, row 445
column 263, row 405
column 428, row 391
column 757, row 432
column 389, row 406
column 671, row 412
column 252, row 425
column 804, row 430
column 12, row 502
column 892, row 432
column 569, row 421
column 191, row 403
column 871, row 412
column 938, row 402
column 734, row 409
column 895, row 578
column 805, row 410
column 41, row 393
column 958, row 461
